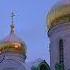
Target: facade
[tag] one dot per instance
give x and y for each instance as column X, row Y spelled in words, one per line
column 59, row 35
column 13, row 54
column 13, row 49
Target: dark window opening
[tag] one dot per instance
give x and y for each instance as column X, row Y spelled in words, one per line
column 43, row 67
column 61, row 52
column 61, row 56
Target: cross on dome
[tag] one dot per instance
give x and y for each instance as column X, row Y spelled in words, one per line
column 12, row 16
column 12, row 20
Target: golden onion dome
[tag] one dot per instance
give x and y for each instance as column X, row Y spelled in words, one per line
column 13, row 44
column 59, row 13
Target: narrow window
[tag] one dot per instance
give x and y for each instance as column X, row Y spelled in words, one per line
column 61, row 52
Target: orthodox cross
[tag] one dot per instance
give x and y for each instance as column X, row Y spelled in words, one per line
column 12, row 20
column 12, row 17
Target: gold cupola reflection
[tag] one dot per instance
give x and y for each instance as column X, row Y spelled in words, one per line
column 60, row 13
column 12, row 43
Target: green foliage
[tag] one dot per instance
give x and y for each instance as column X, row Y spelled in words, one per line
column 59, row 67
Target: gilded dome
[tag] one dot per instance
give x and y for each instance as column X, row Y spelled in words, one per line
column 13, row 44
column 59, row 13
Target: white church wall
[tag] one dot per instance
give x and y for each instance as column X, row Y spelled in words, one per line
column 61, row 31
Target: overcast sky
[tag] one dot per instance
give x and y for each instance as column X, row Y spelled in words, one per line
column 30, row 23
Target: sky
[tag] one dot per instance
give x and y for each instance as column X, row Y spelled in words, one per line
column 30, row 23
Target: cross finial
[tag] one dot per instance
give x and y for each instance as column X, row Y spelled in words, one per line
column 12, row 16
column 12, row 25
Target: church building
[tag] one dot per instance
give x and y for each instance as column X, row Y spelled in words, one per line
column 13, row 54
column 59, row 35
column 13, row 49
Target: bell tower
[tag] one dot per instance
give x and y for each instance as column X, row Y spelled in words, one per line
column 59, row 35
